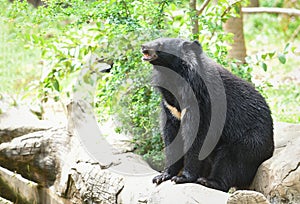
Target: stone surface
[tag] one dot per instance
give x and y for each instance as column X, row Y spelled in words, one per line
column 247, row 197
column 169, row 192
column 120, row 141
column 279, row 177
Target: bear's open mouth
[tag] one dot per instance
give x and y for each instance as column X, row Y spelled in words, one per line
column 149, row 55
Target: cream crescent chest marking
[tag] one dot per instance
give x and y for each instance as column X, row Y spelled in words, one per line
column 173, row 110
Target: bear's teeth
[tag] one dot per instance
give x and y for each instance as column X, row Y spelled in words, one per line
column 147, row 56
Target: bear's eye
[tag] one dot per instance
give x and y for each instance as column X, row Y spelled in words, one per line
column 160, row 46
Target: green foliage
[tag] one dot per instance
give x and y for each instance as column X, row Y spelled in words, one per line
column 19, row 64
column 267, row 38
column 213, row 38
column 272, row 3
column 279, row 98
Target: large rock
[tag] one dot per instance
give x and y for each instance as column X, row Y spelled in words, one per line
column 247, row 197
column 279, row 177
column 169, row 192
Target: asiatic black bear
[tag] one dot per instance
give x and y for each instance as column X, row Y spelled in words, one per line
column 217, row 128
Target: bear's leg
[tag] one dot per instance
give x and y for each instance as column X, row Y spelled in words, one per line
column 173, row 147
column 232, row 167
column 192, row 167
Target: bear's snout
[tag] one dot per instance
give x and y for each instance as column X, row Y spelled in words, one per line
column 148, row 54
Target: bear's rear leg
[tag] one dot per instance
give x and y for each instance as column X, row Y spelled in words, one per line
column 230, row 169
column 210, row 183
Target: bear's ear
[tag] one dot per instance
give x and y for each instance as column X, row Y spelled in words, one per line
column 197, row 43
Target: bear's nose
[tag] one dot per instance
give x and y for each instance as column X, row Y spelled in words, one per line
column 143, row 47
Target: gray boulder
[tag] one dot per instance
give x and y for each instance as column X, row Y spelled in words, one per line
column 279, row 177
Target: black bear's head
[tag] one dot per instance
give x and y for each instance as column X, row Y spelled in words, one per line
column 166, row 51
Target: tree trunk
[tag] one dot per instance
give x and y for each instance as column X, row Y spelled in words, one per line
column 254, row 3
column 35, row 3
column 194, row 19
column 238, row 48
column 195, row 16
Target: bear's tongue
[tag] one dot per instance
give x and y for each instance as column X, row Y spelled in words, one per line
column 147, row 56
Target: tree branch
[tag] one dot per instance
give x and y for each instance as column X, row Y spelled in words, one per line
column 288, row 11
column 194, row 18
column 229, row 8
column 203, row 6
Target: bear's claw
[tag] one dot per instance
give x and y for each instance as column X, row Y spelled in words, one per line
column 161, row 178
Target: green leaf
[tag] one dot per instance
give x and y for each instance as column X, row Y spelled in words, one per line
column 286, row 48
column 264, row 56
column 56, row 98
column 271, row 54
column 282, row 58
column 264, row 66
column 55, row 84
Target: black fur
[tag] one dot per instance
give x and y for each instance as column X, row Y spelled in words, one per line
column 247, row 136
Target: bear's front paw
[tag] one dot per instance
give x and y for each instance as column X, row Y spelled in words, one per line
column 184, row 178
column 161, row 178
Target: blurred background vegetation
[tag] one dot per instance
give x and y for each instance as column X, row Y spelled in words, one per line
column 43, row 45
